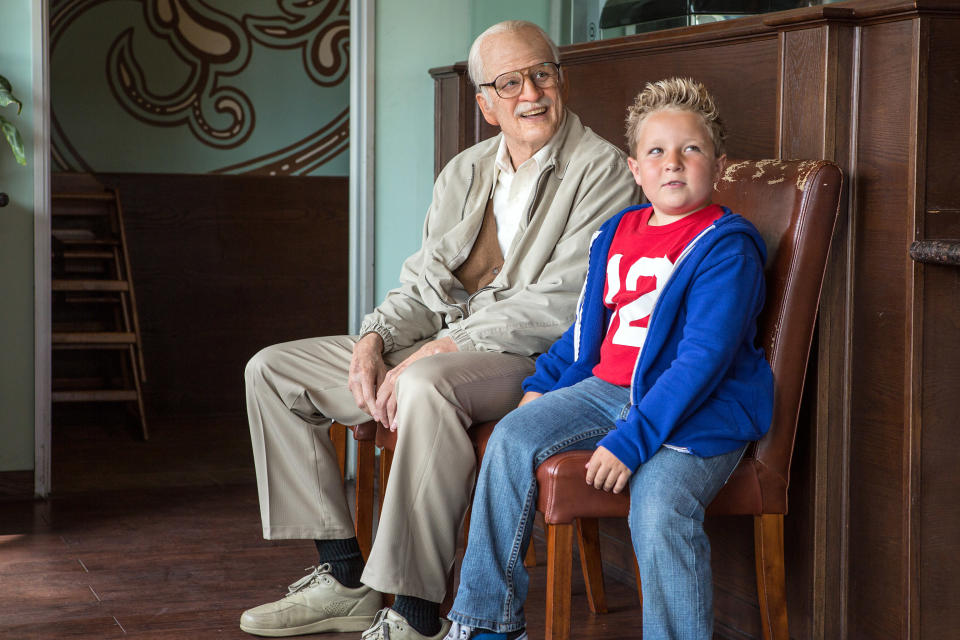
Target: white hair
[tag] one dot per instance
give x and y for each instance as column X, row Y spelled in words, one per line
column 475, row 60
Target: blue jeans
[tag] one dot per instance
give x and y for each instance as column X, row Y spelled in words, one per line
column 668, row 496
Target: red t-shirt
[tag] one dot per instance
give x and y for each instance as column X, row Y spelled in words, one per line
column 639, row 264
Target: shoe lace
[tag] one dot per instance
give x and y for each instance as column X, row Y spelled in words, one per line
column 307, row 580
column 380, row 629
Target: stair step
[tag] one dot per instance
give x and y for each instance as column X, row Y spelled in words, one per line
column 87, row 241
column 72, row 237
column 87, row 254
column 90, row 285
column 84, row 195
column 90, row 299
column 87, row 212
column 94, row 337
column 95, row 395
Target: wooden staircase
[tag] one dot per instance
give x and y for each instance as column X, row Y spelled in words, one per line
column 97, row 354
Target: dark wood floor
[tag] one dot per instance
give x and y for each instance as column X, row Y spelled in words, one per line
column 161, row 539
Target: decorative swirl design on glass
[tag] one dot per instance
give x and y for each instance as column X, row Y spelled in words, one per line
column 321, row 29
column 212, row 45
column 193, row 72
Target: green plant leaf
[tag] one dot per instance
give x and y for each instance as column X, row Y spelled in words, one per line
column 6, row 95
column 13, row 137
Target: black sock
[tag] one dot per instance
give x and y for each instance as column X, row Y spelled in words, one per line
column 423, row 615
column 344, row 558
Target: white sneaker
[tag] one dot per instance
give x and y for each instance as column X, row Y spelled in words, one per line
column 458, row 632
column 314, row 604
column 463, row 632
column 390, row 625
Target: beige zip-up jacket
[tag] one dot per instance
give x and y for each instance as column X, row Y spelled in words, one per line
column 532, row 300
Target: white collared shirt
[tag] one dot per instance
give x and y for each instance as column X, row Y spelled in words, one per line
column 513, row 190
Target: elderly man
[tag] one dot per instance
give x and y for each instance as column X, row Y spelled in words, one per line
column 495, row 282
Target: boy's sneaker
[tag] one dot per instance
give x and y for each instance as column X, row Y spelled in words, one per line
column 390, row 625
column 463, row 632
column 313, row 604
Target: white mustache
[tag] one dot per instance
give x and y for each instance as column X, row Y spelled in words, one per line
column 523, row 108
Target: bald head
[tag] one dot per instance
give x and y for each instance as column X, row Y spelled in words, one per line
column 523, row 30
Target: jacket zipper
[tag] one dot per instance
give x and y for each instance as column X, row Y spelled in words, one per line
column 536, row 194
column 656, row 305
column 473, row 175
column 583, row 293
column 461, row 308
column 533, row 201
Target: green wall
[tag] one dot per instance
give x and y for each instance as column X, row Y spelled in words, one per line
column 16, row 247
column 412, row 37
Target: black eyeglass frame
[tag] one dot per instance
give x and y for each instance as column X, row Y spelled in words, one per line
column 524, row 74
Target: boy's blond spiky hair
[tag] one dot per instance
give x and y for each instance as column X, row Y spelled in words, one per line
column 683, row 94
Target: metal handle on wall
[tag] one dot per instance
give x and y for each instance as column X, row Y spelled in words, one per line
column 936, row 252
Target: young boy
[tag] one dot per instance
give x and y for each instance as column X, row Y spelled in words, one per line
column 659, row 374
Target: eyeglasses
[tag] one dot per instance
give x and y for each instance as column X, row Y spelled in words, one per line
column 510, row 84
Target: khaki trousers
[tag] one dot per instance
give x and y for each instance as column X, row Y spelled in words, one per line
column 296, row 389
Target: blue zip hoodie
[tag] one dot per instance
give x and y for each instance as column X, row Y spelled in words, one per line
column 700, row 382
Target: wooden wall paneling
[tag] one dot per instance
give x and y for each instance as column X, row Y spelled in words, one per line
column 876, row 595
column 943, row 164
column 601, row 89
column 912, row 418
column 937, row 520
column 803, row 62
column 15, row 485
column 831, row 423
column 817, row 71
column 452, row 98
column 227, row 265
column 481, row 129
column 460, row 124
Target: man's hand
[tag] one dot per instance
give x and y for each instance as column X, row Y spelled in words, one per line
column 367, row 371
column 386, row 406
column 528, row 396
column 605, row 471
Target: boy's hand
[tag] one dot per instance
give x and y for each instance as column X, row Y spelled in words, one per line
column 528, row 396
column 605, row 471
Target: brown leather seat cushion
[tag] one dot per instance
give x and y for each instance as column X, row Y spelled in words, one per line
column 743, row 494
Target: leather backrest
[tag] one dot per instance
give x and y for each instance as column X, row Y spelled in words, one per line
column 794, row 204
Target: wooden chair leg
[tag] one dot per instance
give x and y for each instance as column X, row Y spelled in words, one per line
column 338, row 435
column 636, row 573
column 559, row 563
column 771, row 583
column 588, row 540
column 530, row 559
column 386, row 458
column 364, row 505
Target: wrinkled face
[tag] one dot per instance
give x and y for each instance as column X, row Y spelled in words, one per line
column 675, row 164
column 528, row 120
